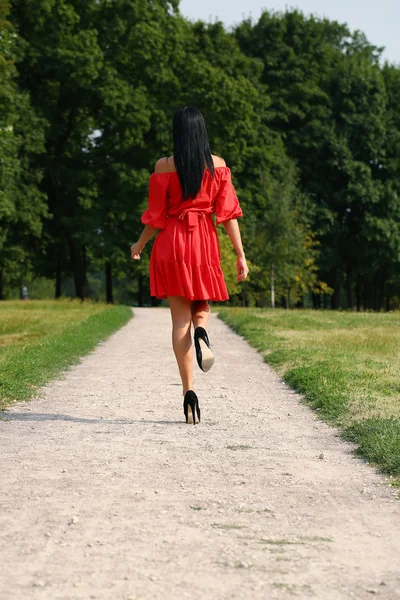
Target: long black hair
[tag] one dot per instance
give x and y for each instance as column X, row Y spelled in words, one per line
column 192, row 154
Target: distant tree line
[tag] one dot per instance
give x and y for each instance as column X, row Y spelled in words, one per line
column 301, row 109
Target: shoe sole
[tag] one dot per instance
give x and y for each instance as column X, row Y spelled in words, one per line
column 207, row 357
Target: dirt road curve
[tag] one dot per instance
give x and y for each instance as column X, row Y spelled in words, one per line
column 106, row 493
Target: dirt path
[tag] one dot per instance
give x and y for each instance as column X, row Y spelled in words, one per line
column 106, row 493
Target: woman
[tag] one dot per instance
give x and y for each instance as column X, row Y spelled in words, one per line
column 184, row 191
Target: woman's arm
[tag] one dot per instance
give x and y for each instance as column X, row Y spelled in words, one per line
column 232, row 229
column 157, row 209
column 148, row 232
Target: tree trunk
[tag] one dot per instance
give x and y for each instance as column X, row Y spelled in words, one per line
column 336, row 297
column 78, row 266
column 272, row 287
column 57, row 293
column 379, row 301
column 336, row 291
column 86, row 287
column 300, row 302
column 74, row 259
column 381, row 295
column 369, row 295
column 358, row 296
column 109, row 284
column 375, row 294
column 388, row 303
column 316, row 300
column 1, row 285
column 288, row 299
column 349, row 281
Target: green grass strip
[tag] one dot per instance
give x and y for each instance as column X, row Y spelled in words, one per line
column 346, row 365
column 379, row 441
column 35, row 364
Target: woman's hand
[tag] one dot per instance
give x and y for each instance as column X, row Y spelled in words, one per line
column 242, row 268
column 145, row 236
column 136, row 250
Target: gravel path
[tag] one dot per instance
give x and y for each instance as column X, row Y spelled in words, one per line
column 106, row 493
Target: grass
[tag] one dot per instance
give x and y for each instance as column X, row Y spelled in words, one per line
column 345, row 364
column 38, row 339
column 279, row 542
column 239, row 447
column 228, row 527
column 292, row 588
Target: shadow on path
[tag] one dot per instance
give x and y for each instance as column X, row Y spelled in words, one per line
column 5, row 416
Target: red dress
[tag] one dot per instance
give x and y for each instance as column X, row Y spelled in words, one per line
column 185, row 260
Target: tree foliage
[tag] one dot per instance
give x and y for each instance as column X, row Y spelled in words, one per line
column 22, row 205
column 329, row 102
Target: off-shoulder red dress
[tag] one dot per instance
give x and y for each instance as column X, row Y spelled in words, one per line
column 185, row 260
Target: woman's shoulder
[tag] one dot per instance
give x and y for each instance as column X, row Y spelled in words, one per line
column 167, row 165
column 218, row 161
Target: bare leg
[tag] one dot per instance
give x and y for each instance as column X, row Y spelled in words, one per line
column 200, row 313
column 181, row 339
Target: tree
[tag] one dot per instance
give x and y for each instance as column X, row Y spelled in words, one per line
column 87, row 69
column 22, row 206
column 328, row 101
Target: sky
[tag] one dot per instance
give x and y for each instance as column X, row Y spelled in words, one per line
column 378, row 20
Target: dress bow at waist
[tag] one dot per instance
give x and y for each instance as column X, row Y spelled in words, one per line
column 192, row 217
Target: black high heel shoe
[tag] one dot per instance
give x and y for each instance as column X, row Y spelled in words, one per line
column 204, row 354
column 191, row 408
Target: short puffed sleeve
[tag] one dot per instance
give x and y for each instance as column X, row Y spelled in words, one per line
column 227, row 204
column 156, row 213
